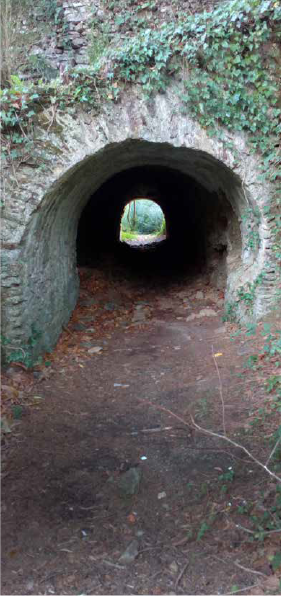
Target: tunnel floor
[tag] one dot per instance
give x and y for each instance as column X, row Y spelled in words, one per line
column 135, row 351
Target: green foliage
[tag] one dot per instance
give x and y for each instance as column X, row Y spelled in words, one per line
column 251, row 220
column 265, row 519
column 205, row 526
column 23, row 354
column 17, row 412
column 23, row 25
column 230, row 312
column 99, row 40
column 39, row 67
column 145, row 60
column 128, row 236
column 246, row 293
column 272, row 346
column 226, row 478
column 276, row 561
column 231, row 56
column 17, row 113
column 162, row 231
column 146, row 218
column 228, row 82
column 273, row 383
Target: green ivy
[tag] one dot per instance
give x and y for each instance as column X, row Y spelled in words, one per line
column 251, row 221
column 247, row 292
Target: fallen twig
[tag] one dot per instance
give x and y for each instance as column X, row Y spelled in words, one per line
column 146, row 401
column 240, row 566
column 249, row 570
column 181, row 575
column 113, row 564
column 220, row 390
column 66, row 329
column 213, row 434
column 273, row 451
column 256, row 531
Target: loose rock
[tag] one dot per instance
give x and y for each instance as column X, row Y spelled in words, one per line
column 130, row 481
column 131, row 552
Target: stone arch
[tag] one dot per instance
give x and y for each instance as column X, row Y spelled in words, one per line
column 39, row 274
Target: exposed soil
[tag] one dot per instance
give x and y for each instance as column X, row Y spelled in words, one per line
column 99, row 408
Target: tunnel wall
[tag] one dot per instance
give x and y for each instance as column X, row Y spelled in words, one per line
column 80, row 153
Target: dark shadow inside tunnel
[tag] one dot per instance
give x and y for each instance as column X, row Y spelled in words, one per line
column 201, row 227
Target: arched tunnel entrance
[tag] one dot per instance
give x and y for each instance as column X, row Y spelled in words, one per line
column 79, row 218
column 201, row 226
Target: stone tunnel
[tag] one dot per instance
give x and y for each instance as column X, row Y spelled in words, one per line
column 95, row 165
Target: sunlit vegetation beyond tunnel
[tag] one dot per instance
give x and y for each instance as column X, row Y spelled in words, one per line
column 199, row 226
column 142, row 220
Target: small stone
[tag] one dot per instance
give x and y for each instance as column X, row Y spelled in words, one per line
column 5, row 426
column 205, row 312
column 199, row 295
column 38, row 374
column 12, row 371
column 130, row 481
column 131, row 552
column 139, row 316
column 30, row 585
column 174, row 567
column 95, row 350
column 110, row 306
column 161, row 495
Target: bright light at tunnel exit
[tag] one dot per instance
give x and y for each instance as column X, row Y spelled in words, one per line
column 142, row 217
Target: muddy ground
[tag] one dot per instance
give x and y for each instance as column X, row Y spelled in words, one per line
column 99, row 410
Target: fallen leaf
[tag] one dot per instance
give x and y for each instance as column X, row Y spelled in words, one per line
column 131, row 518
column 217, row 354
column 9, row 391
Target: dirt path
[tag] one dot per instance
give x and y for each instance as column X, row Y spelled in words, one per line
column 92, row 433
column 145, row 240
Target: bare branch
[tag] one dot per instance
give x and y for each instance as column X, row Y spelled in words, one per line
column 225, row 438
column 273, row 451
column 182, row 420
column 255, row 532
column 220, row 390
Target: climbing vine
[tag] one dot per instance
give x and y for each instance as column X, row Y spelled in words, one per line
column 232, row 60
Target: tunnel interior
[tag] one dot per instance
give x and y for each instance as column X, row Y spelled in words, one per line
column 78, row 224
column 201, row 226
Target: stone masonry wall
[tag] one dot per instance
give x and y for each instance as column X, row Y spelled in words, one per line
column 77, row 18
column 69, row 45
